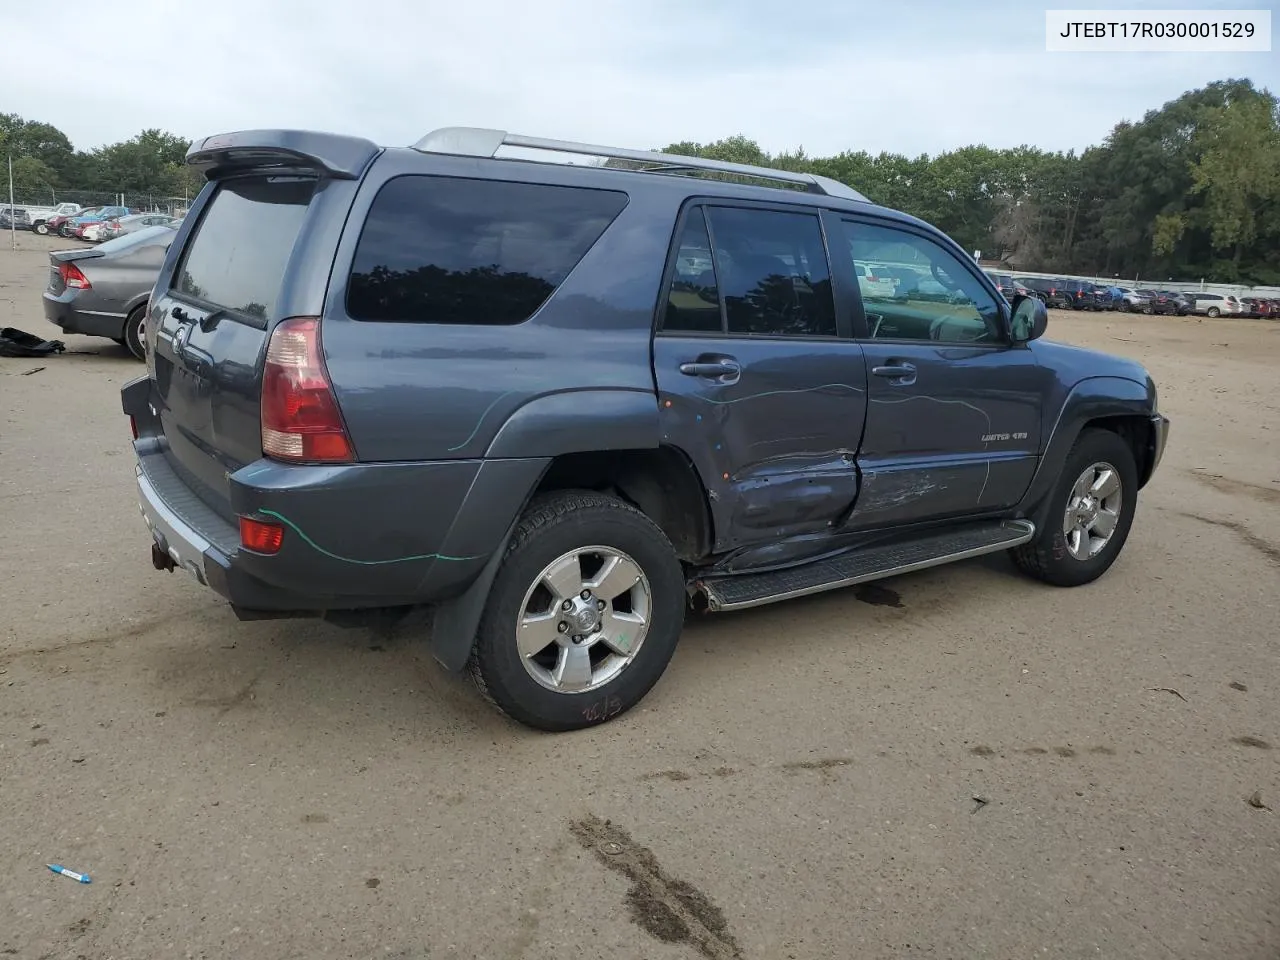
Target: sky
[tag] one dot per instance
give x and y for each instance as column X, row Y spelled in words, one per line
column 908, row 76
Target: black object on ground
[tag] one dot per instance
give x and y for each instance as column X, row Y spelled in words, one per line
column 19, row 343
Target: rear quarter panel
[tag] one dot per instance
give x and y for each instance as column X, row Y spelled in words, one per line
column 125, row 280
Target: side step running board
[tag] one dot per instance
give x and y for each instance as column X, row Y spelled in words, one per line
column 861, row 566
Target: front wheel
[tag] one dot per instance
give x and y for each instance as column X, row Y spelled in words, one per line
column 1090, row 512
column 584, row 613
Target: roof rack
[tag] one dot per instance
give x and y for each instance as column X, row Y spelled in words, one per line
column 482, row 142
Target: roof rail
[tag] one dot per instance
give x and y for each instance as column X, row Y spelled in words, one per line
column 482, row 142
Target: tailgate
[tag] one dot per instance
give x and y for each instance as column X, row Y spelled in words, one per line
column 209, row 326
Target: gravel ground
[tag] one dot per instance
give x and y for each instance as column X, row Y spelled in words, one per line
column 800, row 784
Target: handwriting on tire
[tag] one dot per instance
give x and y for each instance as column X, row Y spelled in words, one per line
column 602, row 710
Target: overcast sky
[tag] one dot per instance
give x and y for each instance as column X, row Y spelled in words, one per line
column 906, row 76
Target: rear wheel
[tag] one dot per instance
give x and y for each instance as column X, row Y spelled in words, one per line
column 135, row 333
column 1213, row 313
column 41, row 228
column 583, row 616
column 1090, row 513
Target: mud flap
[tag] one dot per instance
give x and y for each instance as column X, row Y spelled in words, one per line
column 455, row 622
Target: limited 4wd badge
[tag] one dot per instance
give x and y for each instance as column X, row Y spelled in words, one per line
column 996, row 437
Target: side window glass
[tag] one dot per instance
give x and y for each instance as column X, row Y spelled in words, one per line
column 476, row 252
column 693, row 303
column 914, row 289
column 773, row 273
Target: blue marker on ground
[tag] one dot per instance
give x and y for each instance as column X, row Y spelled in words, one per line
column 79, row 877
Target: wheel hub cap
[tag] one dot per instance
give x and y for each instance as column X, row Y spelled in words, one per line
column 1093, row 511
column 584, row 619
column 584, row 616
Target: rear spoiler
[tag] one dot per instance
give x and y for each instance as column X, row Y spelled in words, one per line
column 285, row 150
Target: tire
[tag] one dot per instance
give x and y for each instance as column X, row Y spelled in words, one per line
column 135, row 329
column 41, row 228
column 1213, row 313
column 561, row 529
column 65, row 233
column 1049, row 555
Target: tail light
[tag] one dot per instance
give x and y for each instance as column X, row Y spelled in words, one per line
column 301, row 422
column 261, row 536
column 73, row 277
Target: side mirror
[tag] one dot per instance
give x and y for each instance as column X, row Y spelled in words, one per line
column 1030, row 318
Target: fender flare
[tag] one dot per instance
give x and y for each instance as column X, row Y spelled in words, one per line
column 575, row 421
column 1093, row 398
column 579, row 421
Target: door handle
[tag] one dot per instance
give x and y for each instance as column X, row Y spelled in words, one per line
column 895, row 370
column 715, row 369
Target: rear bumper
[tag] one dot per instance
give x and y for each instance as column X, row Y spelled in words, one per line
column 61, row 311
column 356, row 535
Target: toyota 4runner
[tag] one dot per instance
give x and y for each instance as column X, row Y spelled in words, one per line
column 560, row 404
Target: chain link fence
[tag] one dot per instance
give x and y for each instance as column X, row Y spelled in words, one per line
column 140, row 202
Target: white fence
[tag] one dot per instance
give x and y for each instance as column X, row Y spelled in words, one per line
column 1178, row 286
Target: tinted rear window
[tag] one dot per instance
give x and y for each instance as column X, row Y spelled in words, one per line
column 451, row 250
column 237, row 256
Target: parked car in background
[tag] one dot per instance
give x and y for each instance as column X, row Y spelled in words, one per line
column 55, row 223
column 40, row 216
column 94, row 232
column 1082, row 295
column 875, row 286
column 14, row 218
column 1103, row 297
column 119, row 226
column 1163, row 303
column 73, row 226
column 1009, row 286
column 1258, row 307
column 103, row 291
column 1052, row 291
column 1215, row 305
column 1134, row 301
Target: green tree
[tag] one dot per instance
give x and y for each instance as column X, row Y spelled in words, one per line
column 37, row 141
column 1238, row 173
column 32, row 181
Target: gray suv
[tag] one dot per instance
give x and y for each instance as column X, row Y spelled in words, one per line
column 560, row 405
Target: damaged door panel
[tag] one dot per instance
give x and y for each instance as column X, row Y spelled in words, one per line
column 756, row 385
column 953, row 411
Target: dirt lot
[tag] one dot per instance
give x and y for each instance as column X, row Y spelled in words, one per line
column 799, row 785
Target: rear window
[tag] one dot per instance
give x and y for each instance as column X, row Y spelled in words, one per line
column 237, row 256
column 459, row 251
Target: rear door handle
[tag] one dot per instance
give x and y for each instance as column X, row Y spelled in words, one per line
column 723, row 369
column 895, row 370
